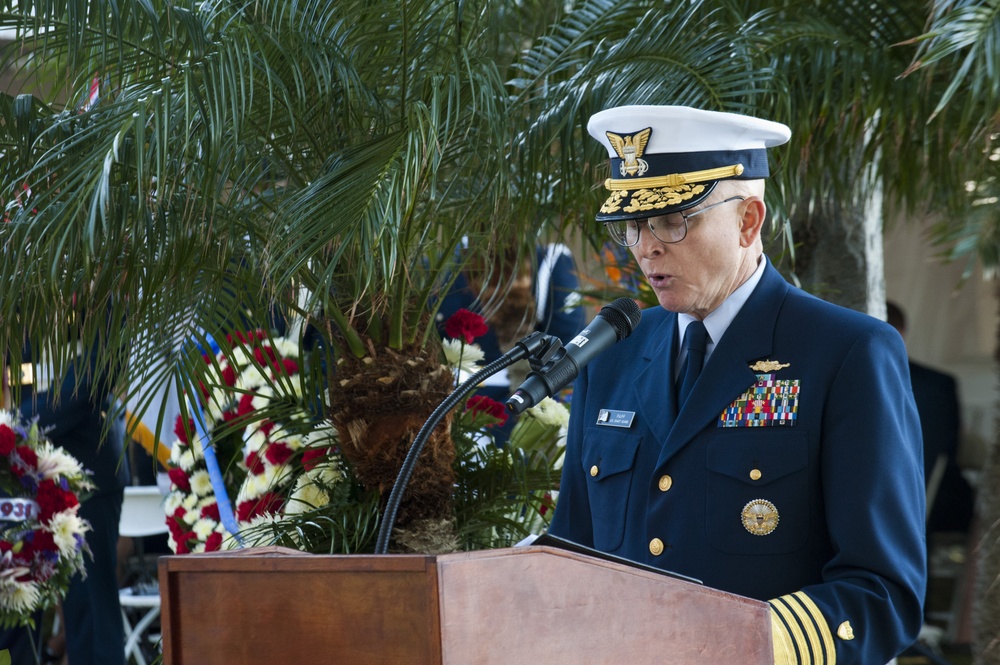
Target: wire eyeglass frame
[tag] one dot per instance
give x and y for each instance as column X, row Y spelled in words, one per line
column 620, row 230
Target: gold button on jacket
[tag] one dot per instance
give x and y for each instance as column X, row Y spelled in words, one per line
column 656, row 547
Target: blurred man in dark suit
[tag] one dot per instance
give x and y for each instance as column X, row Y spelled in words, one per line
column 950, row 499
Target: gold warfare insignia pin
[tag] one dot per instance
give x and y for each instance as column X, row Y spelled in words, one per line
column 630, row 148
column 768, row 366
column 760, row 517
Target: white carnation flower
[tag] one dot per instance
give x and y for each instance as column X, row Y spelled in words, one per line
column 262, row 399
column 190, row 503
column 240, row 357
column 215, row 408
column 324, row 434
column 286, row 348
column 201, row 483
column 172, row 502
column 252, row 488
column 329, row 472
column 185, row 460
column 294, row 441
column 251, row 379
column 306, row 496
column 254, row 537
column 550, row 412
column 255, row 440
column 64, row 527
column 203, row 528
column 463, row 357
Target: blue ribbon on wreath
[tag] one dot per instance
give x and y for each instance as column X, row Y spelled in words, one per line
column 226, row 515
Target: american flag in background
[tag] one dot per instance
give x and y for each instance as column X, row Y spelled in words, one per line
column 92, row 95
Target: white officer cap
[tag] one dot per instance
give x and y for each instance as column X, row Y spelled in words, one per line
column 667, row 159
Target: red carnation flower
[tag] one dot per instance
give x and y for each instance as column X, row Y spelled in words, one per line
column 286, row 366
column 229, row 375
column 546, row 504
column 245, row 405
column 28, row 456
column 182, row 542
column 269, row 502
column 266, row 427
column 278, row 453
column 7, row 440
column 43, row 541
column 175, row 523
column 182, row 428
column 465, row 324
column 211, row 511
column 312, row 457
column 264, row 355
column 179, row 479
column 214, row 542
column 255, row 464
column 53, row 499
column 483, row 404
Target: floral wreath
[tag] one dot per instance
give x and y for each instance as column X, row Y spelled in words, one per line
column 279, row 462
column 42, row 542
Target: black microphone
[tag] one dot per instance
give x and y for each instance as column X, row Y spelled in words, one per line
column 615, row 322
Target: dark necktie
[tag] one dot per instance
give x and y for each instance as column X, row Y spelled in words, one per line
column 695, row 338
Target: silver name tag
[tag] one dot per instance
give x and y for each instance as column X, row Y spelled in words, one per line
column 612, row 418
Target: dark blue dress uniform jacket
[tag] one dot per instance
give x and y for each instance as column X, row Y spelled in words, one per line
column 844, row 568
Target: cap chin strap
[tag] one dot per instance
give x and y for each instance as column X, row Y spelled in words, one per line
column 674, row 179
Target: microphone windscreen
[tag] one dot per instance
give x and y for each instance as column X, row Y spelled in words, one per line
column 623, row 315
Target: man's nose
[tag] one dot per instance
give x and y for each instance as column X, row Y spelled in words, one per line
column 647, row 246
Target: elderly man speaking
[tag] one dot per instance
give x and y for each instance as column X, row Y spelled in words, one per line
column 748, row 434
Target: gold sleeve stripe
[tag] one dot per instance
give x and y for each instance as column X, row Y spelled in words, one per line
column 784, row 649
column 808, row 626
column 799, row 653
column 822, row 627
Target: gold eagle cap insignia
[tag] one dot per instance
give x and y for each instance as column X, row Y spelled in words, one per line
column 768, row 366
column 630, row 148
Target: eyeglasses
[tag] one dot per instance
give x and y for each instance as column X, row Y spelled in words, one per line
column 665, row 228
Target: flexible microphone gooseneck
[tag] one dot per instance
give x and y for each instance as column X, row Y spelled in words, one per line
column 536, row 344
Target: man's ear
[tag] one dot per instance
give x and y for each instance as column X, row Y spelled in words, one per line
column 752, row 222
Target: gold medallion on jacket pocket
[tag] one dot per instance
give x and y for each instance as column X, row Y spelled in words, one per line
column 760, row 517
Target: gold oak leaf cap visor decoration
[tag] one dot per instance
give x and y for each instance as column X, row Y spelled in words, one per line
column 666, row 159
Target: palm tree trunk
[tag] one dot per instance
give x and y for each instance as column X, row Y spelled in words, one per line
column 839, row 254
column 378, row 404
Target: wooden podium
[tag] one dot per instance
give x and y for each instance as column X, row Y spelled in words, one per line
column 275, row 606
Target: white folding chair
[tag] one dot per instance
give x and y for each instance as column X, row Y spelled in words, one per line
column 142, row 515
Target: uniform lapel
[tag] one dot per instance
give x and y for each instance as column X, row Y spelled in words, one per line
column 654, row 388
column 727, row 375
